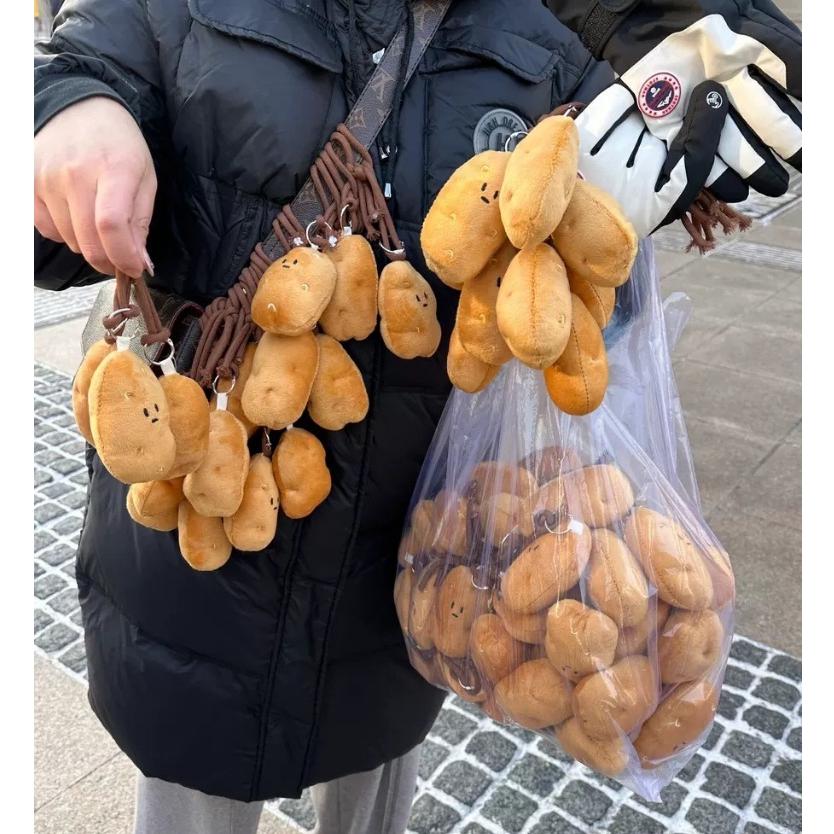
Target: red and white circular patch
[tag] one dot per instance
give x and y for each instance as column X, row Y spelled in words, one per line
column 660, row 95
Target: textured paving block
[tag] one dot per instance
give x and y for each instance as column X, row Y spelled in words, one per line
column 75, row 658
column 55, row 637
column 66, row 602
column 453, row 727
column 794, row 738
column 729, row 703
column 508, row 808
column 709, row 817
column 492, row 749
column 300, row 810
column 778, row 692
column 780, row 808
column 629, row 821
column 47, row 512
column 554, row 824
column 584, row 801
column 788, row 667
column 747, row 749
column 536, row 775
column 551, row 749
column 463, row 781
column 788, row 772
column 728, row 784
column 430, row 816
column 431, row 755
column 474, row 828
column 767, row 720
column 57, row 555
column 755, row 828
column 42, row 620
column 692, row 769
column 715, row 733
column 49, row 585
column 737, row 677
column 671, row 799
column 748, row 652
column 56, row 489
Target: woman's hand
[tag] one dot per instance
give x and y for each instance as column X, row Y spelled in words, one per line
column 95, row 185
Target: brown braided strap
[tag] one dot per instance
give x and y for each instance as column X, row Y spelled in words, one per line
column 124, row 309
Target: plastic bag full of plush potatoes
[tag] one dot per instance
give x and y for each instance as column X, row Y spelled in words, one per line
column 550, row 574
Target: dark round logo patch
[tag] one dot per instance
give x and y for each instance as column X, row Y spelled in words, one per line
column 660, row 95
column 494, row 128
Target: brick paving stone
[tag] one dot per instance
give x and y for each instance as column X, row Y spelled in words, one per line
column 453, row 727
column 39, row 570
column 66, row 602
column 692, row 768
column 671, row 799
column 729, row 703
column 611, row 784
column 536, row 775
column 463, row 781
column 767, row 720
column 431, row 755
column 786, row 666
column 56, row 637
column 550, row 748
column 430, row 816
column 629, row 821
column 467, row 706
column 75, row 658
column 42, row 620
column 42, row 477
column 709, row 817
column 508, row 808
column 55, row 490
column 737, row 677
column 520, row 733
column 81, row 478
column 781, row 808
column 728, row 784
column 68, row 525
column 474, row 828
column 49, row 585
column 42, row 539
column 778, row 692
column 788, row 772
column 755, row 828
column 747, row 652
column 67, row 465
column 48, row 512
column 714, row 735
column 747, row 749
column 583, row 801
column 794, row 738
column 492, row 749
column 57, row 554
column 554, row 824
column 75, row 500
column 301, row 810
column 77, row 618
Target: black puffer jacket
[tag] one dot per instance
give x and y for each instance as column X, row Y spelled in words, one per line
column 286, row 667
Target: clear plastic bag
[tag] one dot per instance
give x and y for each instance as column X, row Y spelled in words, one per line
column 557, row 571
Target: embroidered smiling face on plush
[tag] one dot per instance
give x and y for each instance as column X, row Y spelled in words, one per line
column 462, row 229
column 408, row 312
column 294, row 292
column 457, row 605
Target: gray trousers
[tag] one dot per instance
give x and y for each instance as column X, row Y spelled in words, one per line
column 375, row 802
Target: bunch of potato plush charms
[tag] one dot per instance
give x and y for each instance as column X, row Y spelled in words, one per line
column 536, row 253
column 187, row 459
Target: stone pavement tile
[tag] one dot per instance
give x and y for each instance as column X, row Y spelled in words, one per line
column 773, row 492
column 554, row 824
column 69, row 741
column 737, row 402
column 430, row 816
column 584, row 802
column 508, row 808
column 784, row 230
column 699, row 331
column 775, row 317
column 767, row 720
column 492, row 749
column 747, row 749
column 670, row 261
column 536, row 775
column 728, row 784
column 794, row 437
column 463, row 781
column 753, row 351
column 789, row 772
column 722, row 460
column 708, row 817
column 766, row 559
column 780, row 808
column 786, row 666
column 793, row 292
column 59, row 345
column 629, row 821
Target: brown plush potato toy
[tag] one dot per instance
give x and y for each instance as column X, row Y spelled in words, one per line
column 595, row 240
column 189, row 420
column 338, row 395
column 463, row 228
column 202, row 539
column 300, row 472
column 598, row 300
column 155, row 504
column 282, row 377
column 539, row 181
column 535, row 695
column 352, row 311
column 130, row 419
column 457, row 606
column 533, row 307
column 466, row 371
column 580, row 640
column 215, row 487
column 253, row 525
column 408, row 312
column 294, row 292
column 578, row 380
column 81, row 386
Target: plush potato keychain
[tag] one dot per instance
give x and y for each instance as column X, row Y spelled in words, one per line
column 282, row 376
column 189, row 410
column 234, row 391
column 609, row 756
column 408, row 312
column 466, row 371
column 81, row 386
column 477, row 321
column 155, row 504
column 580, row 640
column 215, row 487
column 615, row 581
column 294, row 292
column 457, row 606
column 300, row 472
column 594, row 238
column 599, row 300
column 253, row 525
column 338, row 395
column 533, row 307
column 493, row 648
column 421, row 609
column 636, row 639
column 463, row 229
column 535, row 695
column 202, row 540
column 600, row 495
column 526, row 628
column 352, row 311
column 578, row 380
column 539, row 181
column 130, row 418
column 689, row 645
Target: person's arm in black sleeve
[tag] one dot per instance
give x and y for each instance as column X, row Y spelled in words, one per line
column 97, row 49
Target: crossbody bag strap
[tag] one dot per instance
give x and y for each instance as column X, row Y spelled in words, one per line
column 373, row 106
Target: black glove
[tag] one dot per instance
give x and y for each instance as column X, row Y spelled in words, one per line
column 663, row 51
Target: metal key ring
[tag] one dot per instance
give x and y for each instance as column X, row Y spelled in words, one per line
column 160, row 362
column 400, row 251
column 116, row 331
column 216, row 379
column 513, row 136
